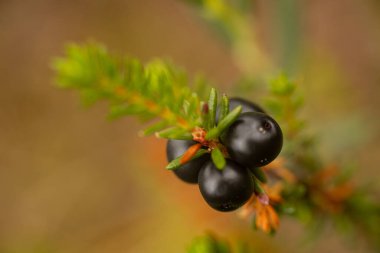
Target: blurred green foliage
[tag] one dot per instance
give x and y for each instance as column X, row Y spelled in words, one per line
column 211, row 244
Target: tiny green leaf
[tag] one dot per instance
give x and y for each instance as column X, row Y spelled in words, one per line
column 257, row 187
column 224, row 124
column 177, row 162
column 153, row 128
column 259, row 174
column 174, row 133
column 225, row 107
column 218, row 158
column 212, row 106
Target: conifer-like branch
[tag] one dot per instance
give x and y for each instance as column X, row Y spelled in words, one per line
column 157, row 90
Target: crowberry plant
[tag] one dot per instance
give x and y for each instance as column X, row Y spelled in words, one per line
column 240, row 154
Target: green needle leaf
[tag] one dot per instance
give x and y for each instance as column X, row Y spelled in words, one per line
column 224, row 124
column 218, row 158
column 259, row 174
column 174, row 133
column 257, row 187
column 153, row 128
column 225, row 107
column 177, row 162
column 212, row 106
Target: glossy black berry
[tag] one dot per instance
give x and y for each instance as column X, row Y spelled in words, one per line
column 246, row 106
column 254, row 139
column 225, row 190
column 189, row 171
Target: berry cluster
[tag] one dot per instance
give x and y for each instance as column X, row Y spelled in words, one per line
column 253, row 140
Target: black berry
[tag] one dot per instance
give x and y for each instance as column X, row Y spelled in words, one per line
column 254, row 139
column 188, row 172
column 225, row 190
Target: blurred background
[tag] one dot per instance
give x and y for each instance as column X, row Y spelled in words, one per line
column 70, row 181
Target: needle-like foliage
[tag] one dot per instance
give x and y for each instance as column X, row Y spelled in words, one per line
column 154, row 91
column 157, row 92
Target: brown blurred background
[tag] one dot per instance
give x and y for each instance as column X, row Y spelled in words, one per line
column 70, row 181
